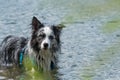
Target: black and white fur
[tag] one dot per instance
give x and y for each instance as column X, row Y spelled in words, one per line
column 43, row 46
column 10, row 49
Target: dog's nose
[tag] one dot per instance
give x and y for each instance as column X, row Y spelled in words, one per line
column 45, row 45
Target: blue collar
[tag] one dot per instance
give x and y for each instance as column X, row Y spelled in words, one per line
column 21, row 55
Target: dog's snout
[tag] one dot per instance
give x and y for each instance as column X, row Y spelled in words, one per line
column 45, row 45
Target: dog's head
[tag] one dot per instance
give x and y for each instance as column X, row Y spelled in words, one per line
column 44, row 37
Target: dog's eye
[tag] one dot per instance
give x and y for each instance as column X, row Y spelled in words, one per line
column 51, row 37
column 42, row 35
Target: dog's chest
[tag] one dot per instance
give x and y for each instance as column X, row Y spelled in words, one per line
column 44, row 56
column 44, row 59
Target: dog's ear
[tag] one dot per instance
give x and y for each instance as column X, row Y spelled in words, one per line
column 57, row 31
column 58, row 28
column 36, row 24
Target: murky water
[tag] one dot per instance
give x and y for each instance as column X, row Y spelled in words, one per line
column 90, row 41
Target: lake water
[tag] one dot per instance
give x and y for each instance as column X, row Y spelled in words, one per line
column 90, row 40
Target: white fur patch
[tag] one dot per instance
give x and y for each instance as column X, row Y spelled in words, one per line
column 47, row 31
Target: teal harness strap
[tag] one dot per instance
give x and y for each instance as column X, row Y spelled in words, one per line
column 21, row 55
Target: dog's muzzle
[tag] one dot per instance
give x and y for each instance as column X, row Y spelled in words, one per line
column 45, row 46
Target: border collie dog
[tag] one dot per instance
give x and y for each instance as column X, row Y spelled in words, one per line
column 43, row 46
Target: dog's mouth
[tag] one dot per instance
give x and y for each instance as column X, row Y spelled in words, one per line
column 45, row 48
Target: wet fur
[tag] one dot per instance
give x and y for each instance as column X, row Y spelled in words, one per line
column 10, row 49
column 45, row 59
